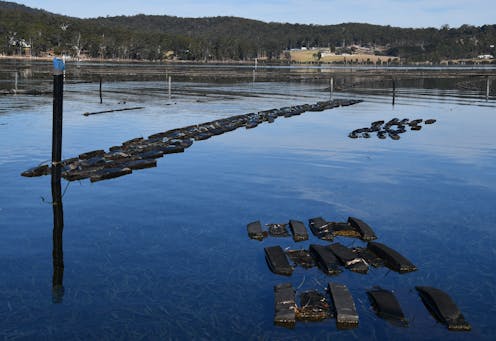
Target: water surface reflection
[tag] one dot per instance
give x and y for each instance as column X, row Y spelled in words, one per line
column 57, row 235
column 164, row 252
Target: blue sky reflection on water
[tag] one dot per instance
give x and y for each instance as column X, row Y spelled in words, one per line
column 164, row 252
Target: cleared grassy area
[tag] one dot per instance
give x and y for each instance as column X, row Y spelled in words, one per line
column 310, row 56
column 468, row 61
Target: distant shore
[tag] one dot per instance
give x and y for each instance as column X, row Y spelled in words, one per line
column 350, row 61
column 140, row 61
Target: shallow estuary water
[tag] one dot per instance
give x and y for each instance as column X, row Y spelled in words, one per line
column 163, row 253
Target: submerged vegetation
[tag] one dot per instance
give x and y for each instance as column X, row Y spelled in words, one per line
column 27, row 31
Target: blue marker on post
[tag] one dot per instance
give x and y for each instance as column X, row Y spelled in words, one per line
column 58, row 66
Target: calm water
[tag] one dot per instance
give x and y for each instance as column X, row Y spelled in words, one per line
column 163, row 253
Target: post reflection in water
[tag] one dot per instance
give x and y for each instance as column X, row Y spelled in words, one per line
column 58, row 228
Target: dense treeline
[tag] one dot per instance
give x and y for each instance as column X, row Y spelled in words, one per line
column 223, row 38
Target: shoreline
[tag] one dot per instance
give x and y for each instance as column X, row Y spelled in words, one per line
column 458, row 63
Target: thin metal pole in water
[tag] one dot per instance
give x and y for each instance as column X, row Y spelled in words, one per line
column 331, row 87
column 170, row 87
column 487, row 88
column 394, row 91
column 101, row 99
column 58, row 97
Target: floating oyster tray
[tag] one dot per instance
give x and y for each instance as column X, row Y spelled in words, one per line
column 142, row 153
column 332, row 259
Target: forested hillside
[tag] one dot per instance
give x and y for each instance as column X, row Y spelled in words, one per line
column 223, row 38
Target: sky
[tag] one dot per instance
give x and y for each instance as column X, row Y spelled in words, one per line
column 401, row 13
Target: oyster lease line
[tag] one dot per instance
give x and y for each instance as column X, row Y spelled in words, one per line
column 140, row 153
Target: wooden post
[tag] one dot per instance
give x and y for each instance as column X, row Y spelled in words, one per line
column 15, row 82
column 170, row 87
column 254, row 76
column 101, row 100
column 394, row 91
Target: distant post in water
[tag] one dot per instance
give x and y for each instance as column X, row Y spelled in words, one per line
column 487, row 88
column 331, row 87
column 15, row 81
column 170, row 87
column 394, row 91
column 101, row 99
